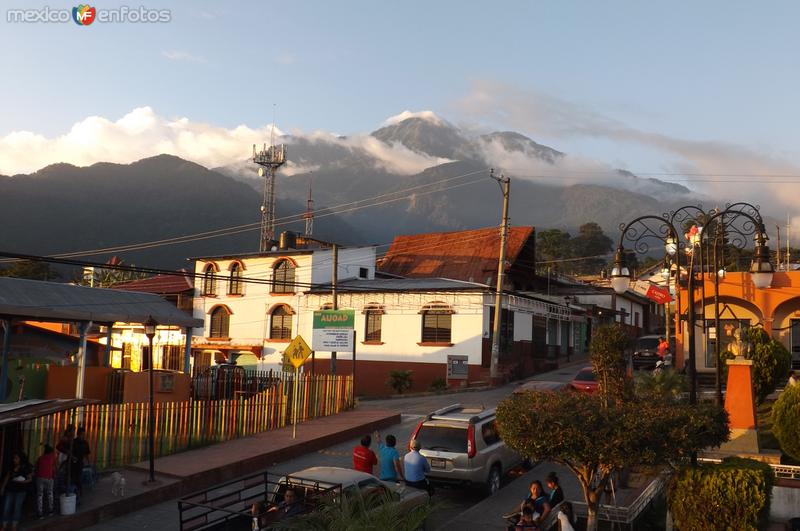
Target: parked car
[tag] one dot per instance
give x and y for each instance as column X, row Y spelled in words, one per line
column 645, row 352
column 585, row 381
column 463, row 446
column 307, row 483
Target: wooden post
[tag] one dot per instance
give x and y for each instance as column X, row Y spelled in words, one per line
column 82, row 328
column 353, row 373
column 294, row 402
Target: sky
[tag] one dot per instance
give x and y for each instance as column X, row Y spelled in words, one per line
column 691, row 91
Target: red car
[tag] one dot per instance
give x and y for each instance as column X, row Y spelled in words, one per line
column 585, row 381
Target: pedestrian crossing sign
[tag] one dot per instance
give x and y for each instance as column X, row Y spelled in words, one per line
column 297, row 352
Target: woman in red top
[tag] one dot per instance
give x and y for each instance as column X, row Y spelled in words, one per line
column 364, row 459
column 45, row 476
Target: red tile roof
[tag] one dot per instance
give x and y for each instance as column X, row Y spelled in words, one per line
column 469, row 255
column 159, row 284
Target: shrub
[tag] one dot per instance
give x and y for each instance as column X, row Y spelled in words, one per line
column 438, row 385
column 607, row 350
column 399, row 381
column 666, row 385
column 734, row 494
column 786, row 421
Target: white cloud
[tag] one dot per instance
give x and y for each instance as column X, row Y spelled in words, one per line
column 180, row 55
column 717, row 169
column 142, row 133
column 405, row 115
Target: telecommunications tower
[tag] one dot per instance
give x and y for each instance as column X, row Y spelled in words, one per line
column 270, row 159
column 309, row 215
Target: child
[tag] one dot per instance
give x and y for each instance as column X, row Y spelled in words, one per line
column 45, row 476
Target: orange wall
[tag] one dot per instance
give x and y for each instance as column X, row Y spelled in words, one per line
column 61, row 382
column 785, row 286
column 137, row 387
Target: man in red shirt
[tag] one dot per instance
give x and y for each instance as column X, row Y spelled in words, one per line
column 663, row 348
column 364, row 459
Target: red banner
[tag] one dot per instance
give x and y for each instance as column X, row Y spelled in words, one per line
column 658, row 294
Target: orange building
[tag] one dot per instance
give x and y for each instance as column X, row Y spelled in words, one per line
column 776, row 309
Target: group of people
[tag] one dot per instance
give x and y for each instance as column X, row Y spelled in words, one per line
column 63, row 464
column 411, row 469
column 538, row 505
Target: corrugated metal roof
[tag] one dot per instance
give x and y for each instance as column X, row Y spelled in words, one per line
column 51, row 301
column 162, row 284
column 466, row 255
column 14, row 412
column 402, row 284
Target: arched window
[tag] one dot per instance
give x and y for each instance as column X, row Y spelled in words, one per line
column 283, row 277
column 436, row 323
column 220, row 322
column 209, row 282
column 235, row 281
column 373, row 315
column 280, row 323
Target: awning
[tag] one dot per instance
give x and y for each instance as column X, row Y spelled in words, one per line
column 52, row 301
column 15, row 412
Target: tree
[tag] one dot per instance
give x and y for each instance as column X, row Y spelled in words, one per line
column 598, row 435
column 30, row 270
column 590, row 241
column 607, row 352
column 553, row 244
column 771, row 361
column 786, row 421
column 595, row 441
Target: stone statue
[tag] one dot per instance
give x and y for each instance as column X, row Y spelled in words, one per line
column 738, row 347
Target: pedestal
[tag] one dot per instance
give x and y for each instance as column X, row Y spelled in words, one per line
column 741, row 407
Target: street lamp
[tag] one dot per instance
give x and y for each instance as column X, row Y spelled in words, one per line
column 761, row 270
column 620, row 274
column 150, row 332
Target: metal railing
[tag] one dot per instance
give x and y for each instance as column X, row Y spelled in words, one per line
column 629, row 514
column 781, row 471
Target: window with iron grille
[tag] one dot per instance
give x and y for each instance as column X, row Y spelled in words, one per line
column 172, row 357
column 283, row 277
column 145, row 365
column 209, row 282
column 373, row 317
column 436, row 323
column 220, row 322
column 235, row 282
column 280, row 326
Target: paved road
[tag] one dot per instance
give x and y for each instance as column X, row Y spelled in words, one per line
column 454, row 501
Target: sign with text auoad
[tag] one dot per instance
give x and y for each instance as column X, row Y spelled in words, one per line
column 333, row 330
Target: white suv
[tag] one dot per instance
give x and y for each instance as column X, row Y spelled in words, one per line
column 463, row 446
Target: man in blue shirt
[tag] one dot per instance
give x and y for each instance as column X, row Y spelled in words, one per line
column 390, row 469
column 415, row 466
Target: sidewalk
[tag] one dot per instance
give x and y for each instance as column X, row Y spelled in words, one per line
column 194, row 470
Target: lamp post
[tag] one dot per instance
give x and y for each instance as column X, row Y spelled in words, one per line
column 150, row 332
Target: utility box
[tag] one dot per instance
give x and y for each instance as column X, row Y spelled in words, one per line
column 457, row 367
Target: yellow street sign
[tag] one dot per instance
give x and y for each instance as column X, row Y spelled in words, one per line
column 297, row 352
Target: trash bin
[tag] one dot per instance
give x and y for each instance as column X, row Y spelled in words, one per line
column 67, row 502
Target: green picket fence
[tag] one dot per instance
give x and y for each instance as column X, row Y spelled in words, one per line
column 118, row 436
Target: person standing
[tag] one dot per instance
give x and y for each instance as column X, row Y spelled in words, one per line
column 415, row 466
column 15, row 485
column 80, row 451
column 45, row 477
column 390, row 468
column 364, row 459
column 663, row 348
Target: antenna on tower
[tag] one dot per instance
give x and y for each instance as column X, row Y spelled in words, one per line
column 270, row 159
column 309, row 215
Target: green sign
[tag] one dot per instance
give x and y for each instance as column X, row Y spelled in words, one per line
column 334, row 319
column 333, row 330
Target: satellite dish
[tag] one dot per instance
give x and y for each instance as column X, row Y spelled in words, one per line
column 261, row 172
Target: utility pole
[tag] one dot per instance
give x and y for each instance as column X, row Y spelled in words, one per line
column 334, row 280
column 505, row 186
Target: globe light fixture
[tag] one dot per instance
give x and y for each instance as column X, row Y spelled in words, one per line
column 620, row 274
column 671, row 245
column 761, row 270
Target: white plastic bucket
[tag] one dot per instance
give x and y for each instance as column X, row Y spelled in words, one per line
column 67, row 502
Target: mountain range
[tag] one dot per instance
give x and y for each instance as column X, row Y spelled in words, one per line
column 418, row 174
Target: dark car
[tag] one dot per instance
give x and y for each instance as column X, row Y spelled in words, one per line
column 645, row 352
column 585, row 381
